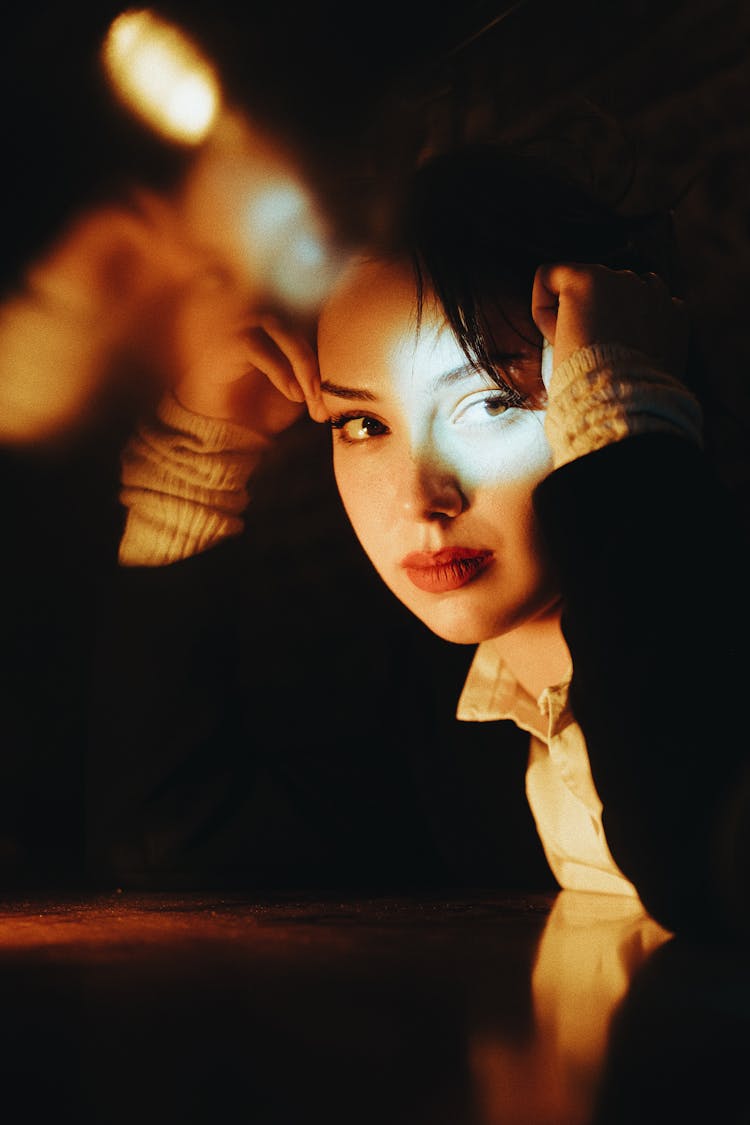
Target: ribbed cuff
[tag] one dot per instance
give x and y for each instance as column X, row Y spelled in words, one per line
column 607, row 392
column 184, row 479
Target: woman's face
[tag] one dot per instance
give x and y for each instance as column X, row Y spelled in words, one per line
column 435, row 468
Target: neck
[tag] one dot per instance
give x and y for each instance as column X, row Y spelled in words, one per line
column 536, row 653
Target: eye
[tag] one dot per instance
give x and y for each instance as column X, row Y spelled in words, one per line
column 482, row 408
column 496, row 405
column 354, row 429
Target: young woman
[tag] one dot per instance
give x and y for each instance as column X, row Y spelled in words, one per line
column 523, row 462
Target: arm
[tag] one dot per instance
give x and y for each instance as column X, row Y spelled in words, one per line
column 176, row 766
column 241, row 700
column 650, row 588
column 185, row 470
column 651, row 562
column 212, row 756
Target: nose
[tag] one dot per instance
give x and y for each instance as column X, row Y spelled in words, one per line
column 432, row 491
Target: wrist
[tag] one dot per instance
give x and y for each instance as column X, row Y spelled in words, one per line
column 214, row 402
column 250, row 403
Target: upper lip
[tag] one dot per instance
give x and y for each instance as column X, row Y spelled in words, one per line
column 427, row 560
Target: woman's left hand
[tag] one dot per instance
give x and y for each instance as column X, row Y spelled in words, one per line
column 576, row 305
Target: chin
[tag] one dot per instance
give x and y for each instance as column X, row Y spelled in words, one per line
column 457, row 636
column 460, row 627
column 457, row 618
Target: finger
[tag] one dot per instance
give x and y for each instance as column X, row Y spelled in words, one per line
column 547, row 366
column 265, row 353
column 304, row 365
column 545, row 301
column 566, row 299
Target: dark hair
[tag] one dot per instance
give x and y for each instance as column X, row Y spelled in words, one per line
column 479, row 220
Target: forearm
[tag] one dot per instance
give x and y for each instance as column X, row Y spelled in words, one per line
column 184, row 481
column 650, row 561
column 165, row 737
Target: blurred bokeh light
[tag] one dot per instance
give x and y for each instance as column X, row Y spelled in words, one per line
column 162, row 75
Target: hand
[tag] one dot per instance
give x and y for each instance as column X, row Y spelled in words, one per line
column 233, row 363
column 129, row 278
column 576, row 305
column 286, row 357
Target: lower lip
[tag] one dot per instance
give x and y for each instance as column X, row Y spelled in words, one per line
column 448, row 576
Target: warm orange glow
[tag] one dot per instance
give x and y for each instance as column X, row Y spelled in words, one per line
column 37, row 344
column 162, row 76
column 88, row 296
column 591, row 947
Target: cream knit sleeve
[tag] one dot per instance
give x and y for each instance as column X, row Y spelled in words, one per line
column 184, row 481
column 608, row 392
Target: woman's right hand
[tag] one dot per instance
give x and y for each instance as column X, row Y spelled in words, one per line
column 128, row 278
column 233, row 364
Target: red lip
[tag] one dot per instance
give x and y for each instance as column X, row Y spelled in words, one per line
column 437, row 572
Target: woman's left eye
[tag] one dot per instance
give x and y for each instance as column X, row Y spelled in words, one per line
column 481, row 408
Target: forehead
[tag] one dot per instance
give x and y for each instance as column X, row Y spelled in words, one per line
column 372, row 316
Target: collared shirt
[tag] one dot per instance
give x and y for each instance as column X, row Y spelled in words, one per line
column 559, row 786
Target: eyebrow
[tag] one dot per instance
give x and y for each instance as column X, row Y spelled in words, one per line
column 445, row 379
column 347, row 392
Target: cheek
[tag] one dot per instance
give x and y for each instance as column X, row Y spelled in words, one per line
column 527, row 577
column 363, row 490
column 517, row 455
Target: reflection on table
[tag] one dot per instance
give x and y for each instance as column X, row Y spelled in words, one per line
column 472, row 1010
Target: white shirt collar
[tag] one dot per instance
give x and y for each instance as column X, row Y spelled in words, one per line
column 491, row 691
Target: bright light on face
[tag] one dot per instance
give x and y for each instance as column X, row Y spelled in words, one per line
column 162, row 76
column 435, row 464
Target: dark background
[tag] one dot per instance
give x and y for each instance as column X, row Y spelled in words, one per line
column 650, row 100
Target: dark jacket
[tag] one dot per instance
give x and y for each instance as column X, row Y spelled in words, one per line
column 652, row 562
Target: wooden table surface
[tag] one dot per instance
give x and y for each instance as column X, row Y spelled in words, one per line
column 439, row 1010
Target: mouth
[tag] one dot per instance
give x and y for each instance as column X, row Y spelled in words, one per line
column 439, row 572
